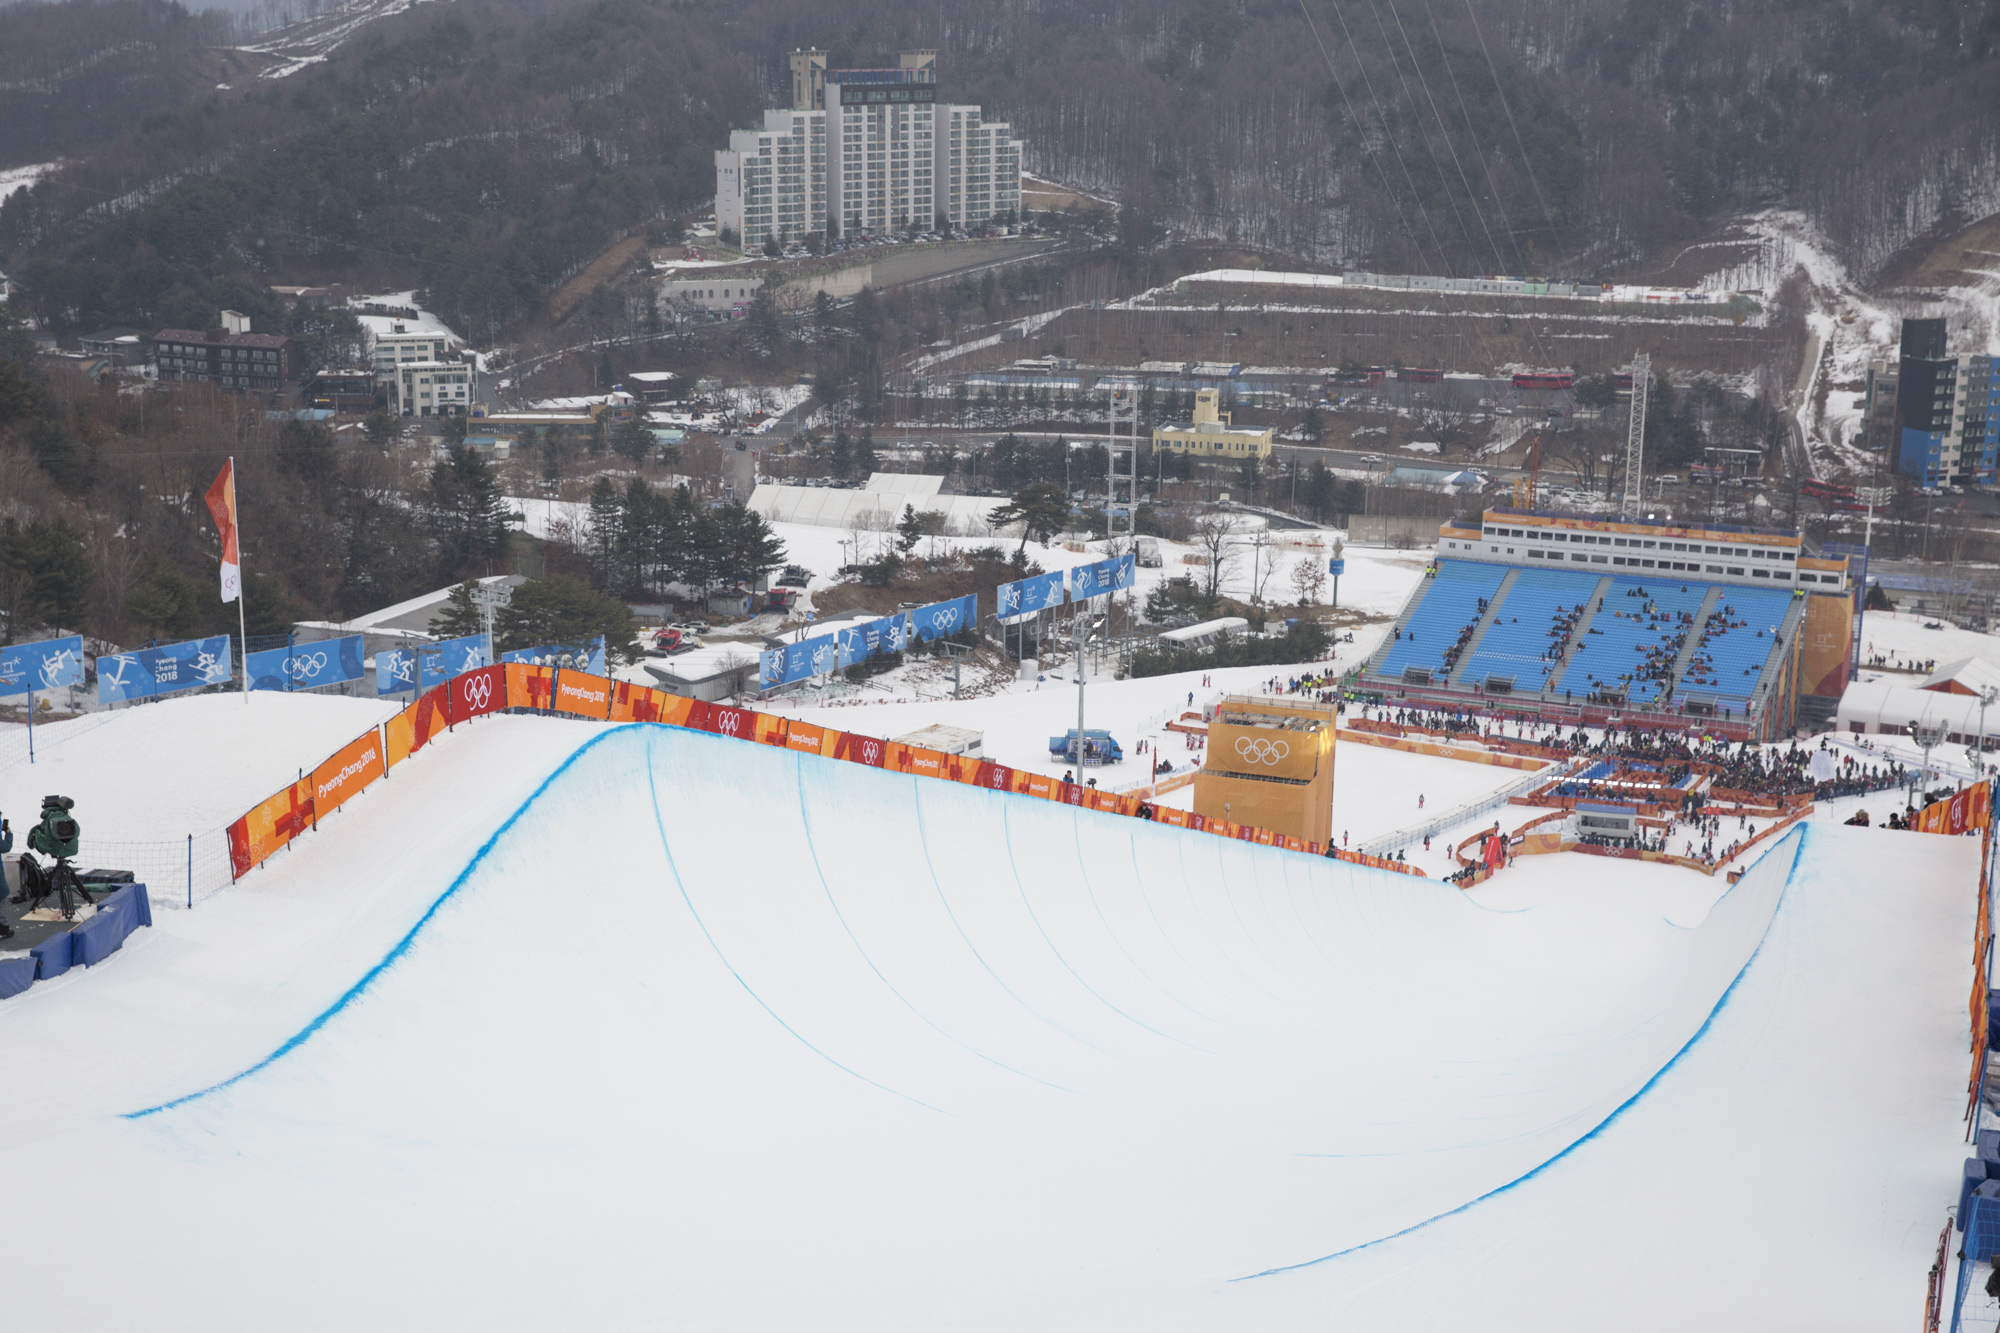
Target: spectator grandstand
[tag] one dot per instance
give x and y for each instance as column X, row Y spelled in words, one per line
column 1530, row 630
column 1628, row 654
column 1735, row 643
column 1453, row 598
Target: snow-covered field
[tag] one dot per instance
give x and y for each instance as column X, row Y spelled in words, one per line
column 20, row 178
column 672, row 1027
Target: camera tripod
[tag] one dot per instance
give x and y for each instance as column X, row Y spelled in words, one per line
column 60, row 879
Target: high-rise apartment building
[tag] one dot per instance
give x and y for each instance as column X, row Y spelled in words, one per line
column 1947, row 410
column 866, row 152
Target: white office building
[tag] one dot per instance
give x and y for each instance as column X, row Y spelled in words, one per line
column 865, row 153
column 420, row 373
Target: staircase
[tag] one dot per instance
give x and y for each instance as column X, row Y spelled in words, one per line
column 1781, row 653
column 1693, row 640
column 1493, row 606
column 1591, row 606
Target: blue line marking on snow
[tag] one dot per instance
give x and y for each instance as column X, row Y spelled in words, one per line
column 653, row 791
column 812, row 850
column 1602, row 1125
column 401, row 947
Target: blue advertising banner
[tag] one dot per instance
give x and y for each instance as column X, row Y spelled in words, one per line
column 303, row 666
column 1029, row 596
column 798, row 661
column 890, row 634
column 395, row 671
column 942, row 618
column 1103, row 577
column 439, row 662
column 574, row 656
column 174, row 666
column 48, row 665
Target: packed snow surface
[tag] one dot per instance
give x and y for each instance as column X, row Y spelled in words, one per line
column 566, row 1025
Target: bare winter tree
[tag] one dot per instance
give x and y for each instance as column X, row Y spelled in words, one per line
column 1212, row 534
column 1308, row 580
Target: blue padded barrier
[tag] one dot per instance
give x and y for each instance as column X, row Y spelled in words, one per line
column 104, row 934
column 16, row 975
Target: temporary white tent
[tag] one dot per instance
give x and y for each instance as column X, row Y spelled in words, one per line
column 876, row 507
column 1878, row 707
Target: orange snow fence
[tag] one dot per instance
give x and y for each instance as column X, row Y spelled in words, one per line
column 276, row 821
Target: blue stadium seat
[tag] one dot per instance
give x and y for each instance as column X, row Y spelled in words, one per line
column 1519, row 636
column 1625, row 634
column 1736, row 643
column 1450, row 604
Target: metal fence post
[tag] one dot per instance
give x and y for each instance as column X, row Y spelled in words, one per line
column 190, row 872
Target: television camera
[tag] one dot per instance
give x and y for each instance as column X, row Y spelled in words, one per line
column 56, row 835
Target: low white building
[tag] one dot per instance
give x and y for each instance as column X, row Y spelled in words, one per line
column 720, row 293
column 418, row 366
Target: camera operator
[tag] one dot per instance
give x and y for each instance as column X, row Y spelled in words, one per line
column 6, row 846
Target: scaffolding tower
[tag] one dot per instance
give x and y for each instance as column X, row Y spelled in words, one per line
column 1121, row 486
column 1635, row 433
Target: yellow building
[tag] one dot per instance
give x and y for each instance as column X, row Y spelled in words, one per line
column 1270, row 763
column 1211, row 435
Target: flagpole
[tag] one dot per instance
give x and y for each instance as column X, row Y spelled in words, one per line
column 242, row 618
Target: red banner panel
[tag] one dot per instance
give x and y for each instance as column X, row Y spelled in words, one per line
column 770, row 730
column 860, row 749
column 723, row 720
column 477, row 693
column 993, row 777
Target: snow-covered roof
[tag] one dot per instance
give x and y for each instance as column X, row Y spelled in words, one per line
column 1968, row 675
column 412, row 617
column 1880, row 705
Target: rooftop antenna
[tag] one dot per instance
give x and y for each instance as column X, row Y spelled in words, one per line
column 1635, row 433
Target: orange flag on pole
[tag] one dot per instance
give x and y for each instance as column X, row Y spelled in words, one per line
column 222, row 504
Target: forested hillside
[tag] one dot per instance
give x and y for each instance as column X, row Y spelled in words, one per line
column 485, row 150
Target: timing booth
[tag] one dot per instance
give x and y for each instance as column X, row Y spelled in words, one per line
column 1619, row 823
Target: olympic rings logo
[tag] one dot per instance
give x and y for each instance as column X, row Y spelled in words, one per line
column 1260, row 751
column 303, row 667
column 730, row 724
column 478, row 691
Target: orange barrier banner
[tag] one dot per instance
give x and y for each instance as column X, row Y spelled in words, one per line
column 1170, row 816
column 410, row 730
column 860, row 749
column 635, row 703
column 770, row 729
column 268, row 826
column 1039, row 785
column 477, row 693
column 346, row 773
column 674, row 709
column 581, row 693
column 807, row 737
column 916, row 759
column 529, row 686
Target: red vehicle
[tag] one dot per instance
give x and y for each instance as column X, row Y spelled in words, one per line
column 1825, row 490
column 1545, row 379
column 1621, row 380
column 1420, row 375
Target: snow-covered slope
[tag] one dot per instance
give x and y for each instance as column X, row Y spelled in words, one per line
column 721, row 1036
